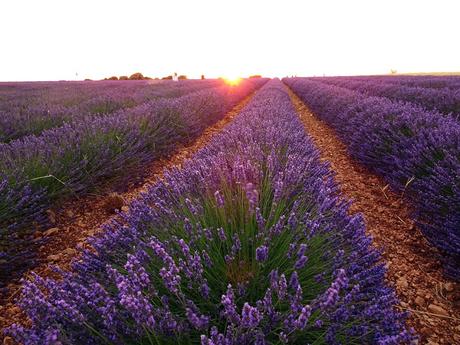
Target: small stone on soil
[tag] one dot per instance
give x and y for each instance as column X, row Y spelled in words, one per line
column 51, row 231
column 8, row 341
column 420, row 301
column 53, row 257
column 449, row 287
column 402, row 283
column 436, row 309
column 69, row 251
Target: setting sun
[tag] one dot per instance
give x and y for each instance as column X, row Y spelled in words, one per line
column 233, row 80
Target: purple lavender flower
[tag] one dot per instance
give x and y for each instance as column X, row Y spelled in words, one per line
column 219, row 199
column 197, row 321
column 253, row 196
column 282, row 287
column 302, row 320
column 228, row 301
column 262, row 253
column 250, row 316
column 260, row 220
column 221, row 234
column 300, row 263
column 294, row 280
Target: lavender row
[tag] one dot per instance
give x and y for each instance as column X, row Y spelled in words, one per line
column 448, row 82
column 447, row 101
column 432, row 82
column 30, row 109
column 417, row 151
column 17, row 94
column 249, row 243
column 76, row 158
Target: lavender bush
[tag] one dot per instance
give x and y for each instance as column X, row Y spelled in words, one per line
column 417, row 151
column 20, row 208
column 79, row 157
column 432, row 82
column 445, row 100
column 249, row 243
column 30, row 108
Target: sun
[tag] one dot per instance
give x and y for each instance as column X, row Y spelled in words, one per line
column 232, row 80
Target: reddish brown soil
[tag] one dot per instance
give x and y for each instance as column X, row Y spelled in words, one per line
column 413, row 268
column 79, row 219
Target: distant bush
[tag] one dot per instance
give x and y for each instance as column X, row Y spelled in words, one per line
column 123, row 77
column 88, row 79
column 255, row 76
column 136, row 76
column 202, row 77
column 113, row 78
column 182, row 77
column 169, row 77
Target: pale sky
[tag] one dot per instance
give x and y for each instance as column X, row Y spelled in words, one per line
column 52, row 40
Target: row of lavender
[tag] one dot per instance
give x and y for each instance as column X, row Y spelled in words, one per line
column 29, row 108
column 417, row 151
column 445, row 100
column 74, row 92
column 36, row 172
column 429, row 81
column 249, row 243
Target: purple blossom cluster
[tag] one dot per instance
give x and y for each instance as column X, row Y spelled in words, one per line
column 31, row 108
column 209, row 255
column 445, row 100
column 36, row 171
column 416, row 150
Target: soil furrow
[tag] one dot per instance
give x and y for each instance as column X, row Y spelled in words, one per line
column 413, row 267
column 77, row 220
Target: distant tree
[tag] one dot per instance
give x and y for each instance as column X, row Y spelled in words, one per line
column 123, row 77
column 255, row 76
column 182, row 77
column 169, row 77
column 88, row 79
column 147, row 78
column 113, row 78
column 393, row 71
column 136, row 76
column 202, row 77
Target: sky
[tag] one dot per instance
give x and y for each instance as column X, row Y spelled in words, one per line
column 67, row 39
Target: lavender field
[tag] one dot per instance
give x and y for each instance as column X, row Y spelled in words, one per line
column 415, row 148
column 83, row 149
column 253, row 239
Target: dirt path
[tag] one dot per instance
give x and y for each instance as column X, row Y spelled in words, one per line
column 412, row 266
column 77, row 220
